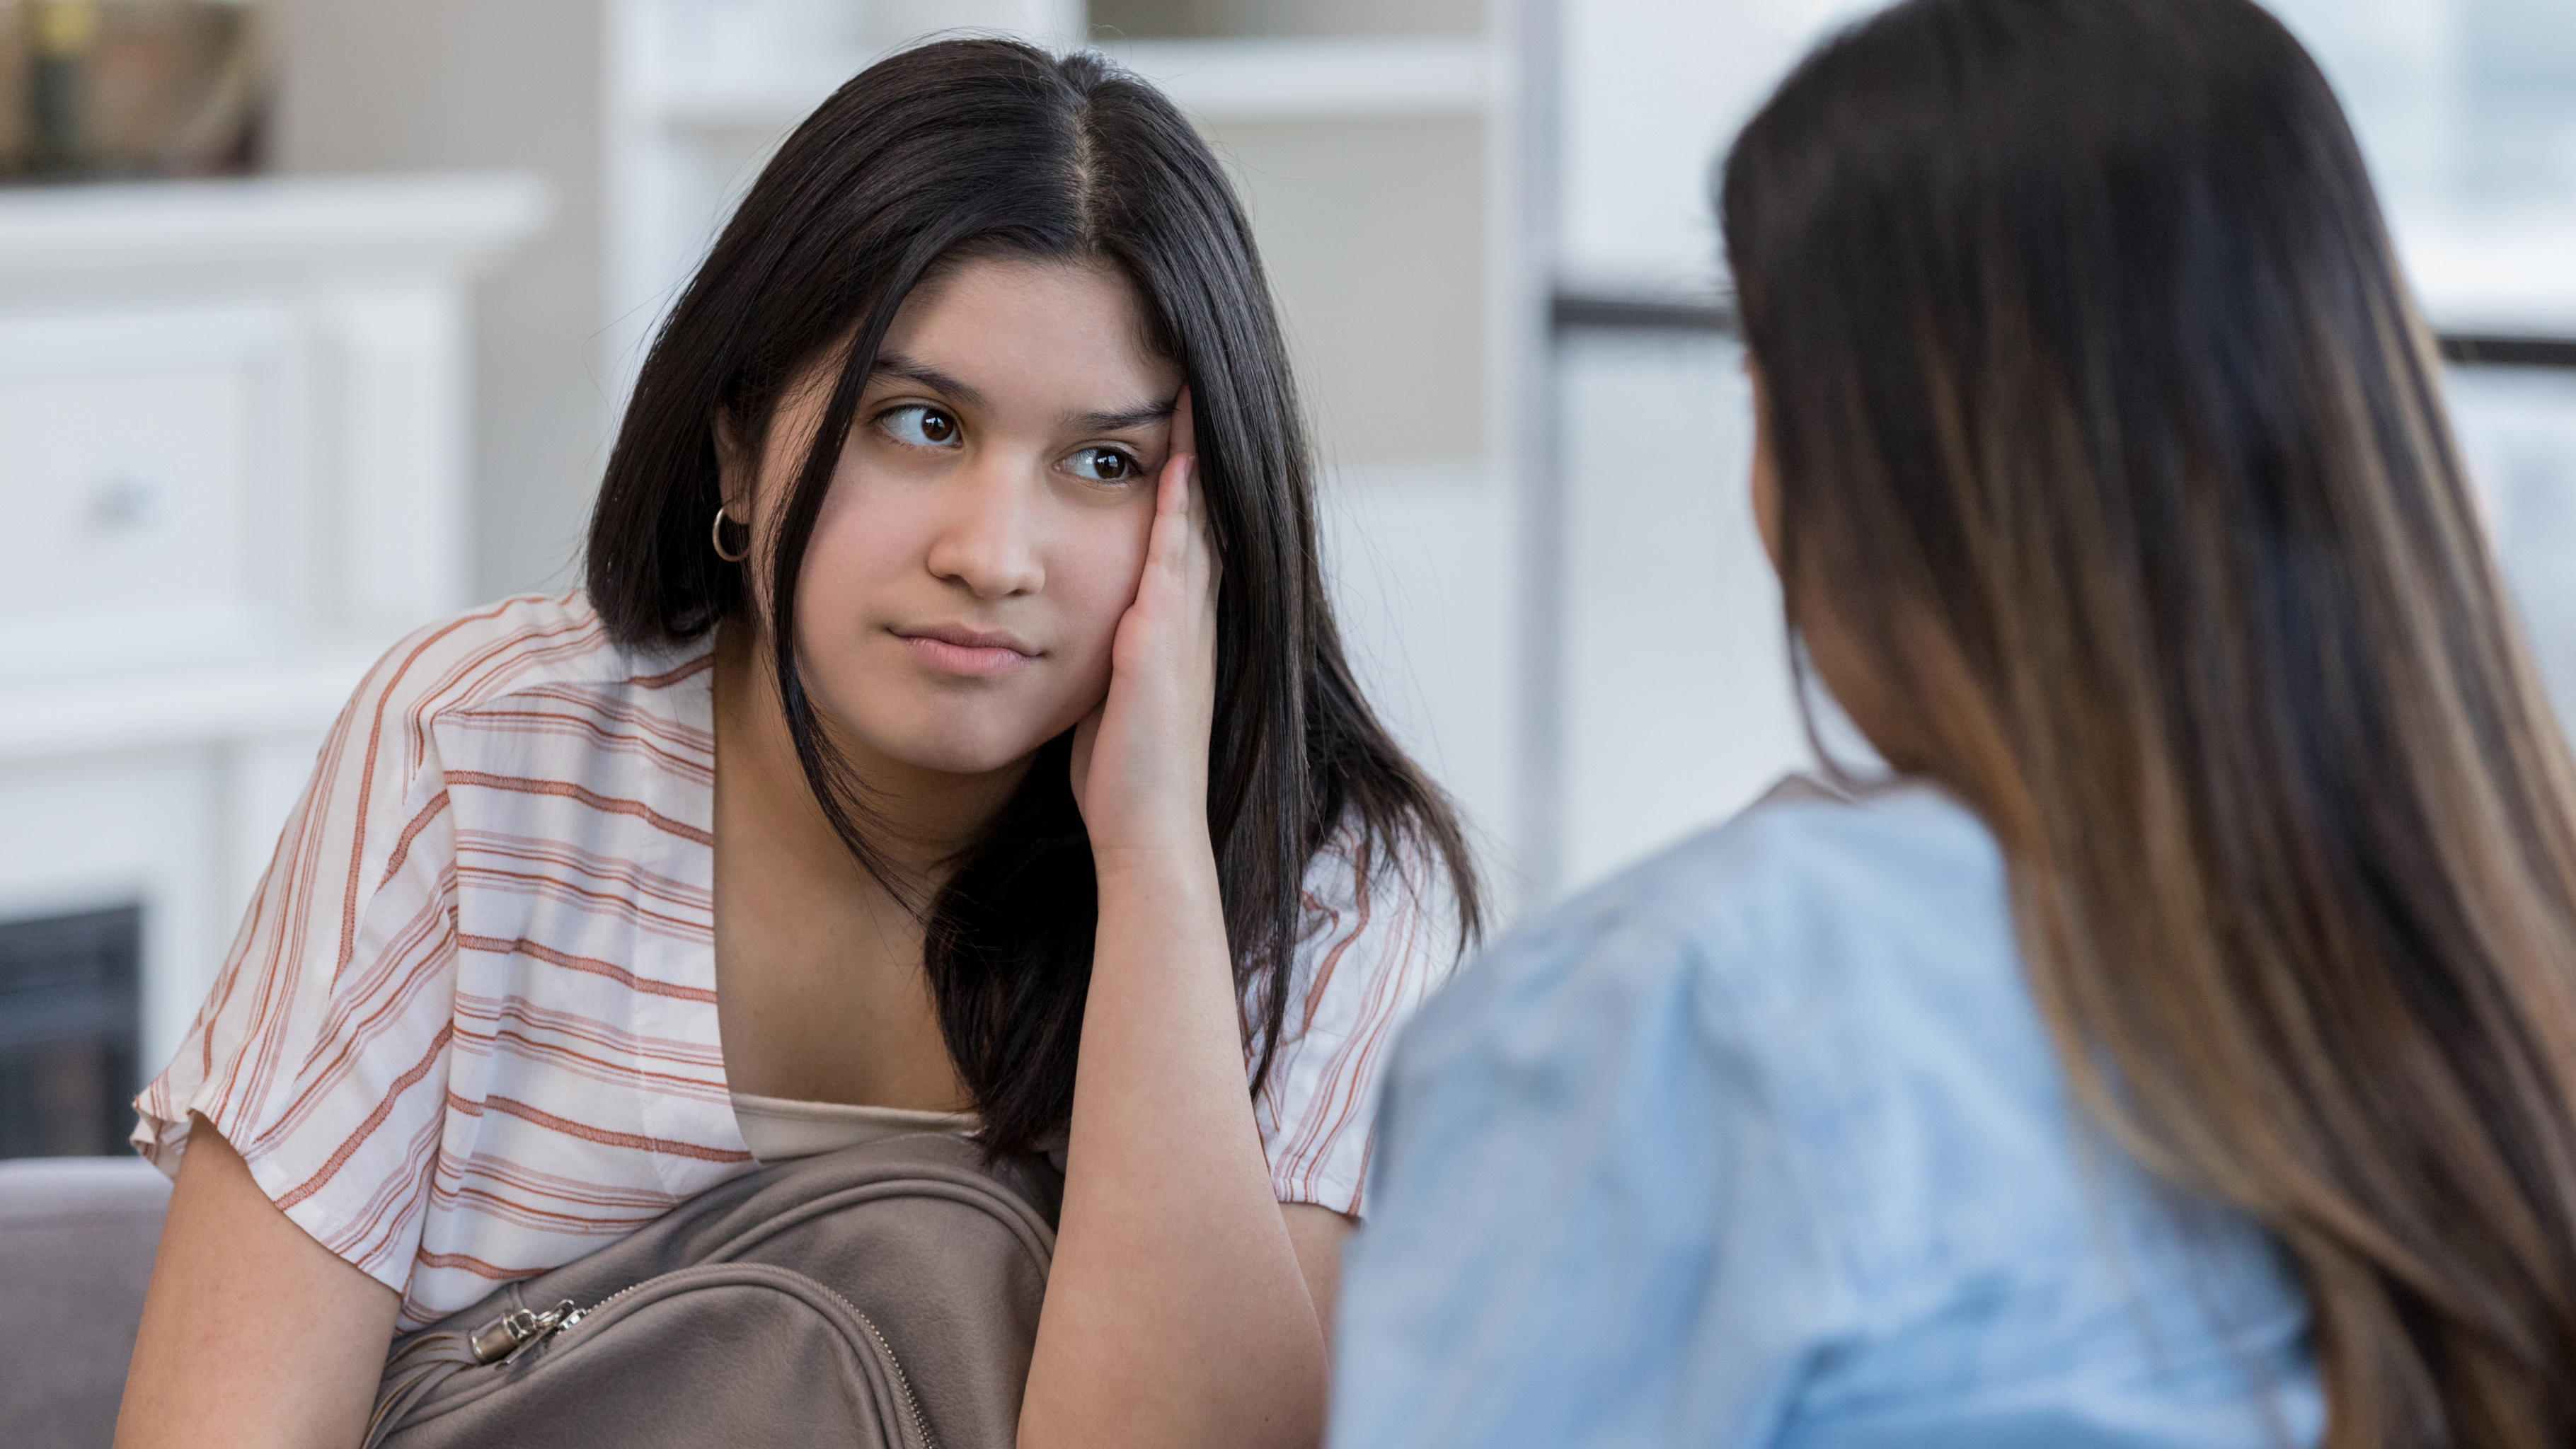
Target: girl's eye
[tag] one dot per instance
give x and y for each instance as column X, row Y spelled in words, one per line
column 922, row 427
column 1103, row 465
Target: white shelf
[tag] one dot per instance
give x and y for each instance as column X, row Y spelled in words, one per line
column 1215, row 80
column 155, row 711
column 2499, row 274
column 1262, row 80
column 461, row 221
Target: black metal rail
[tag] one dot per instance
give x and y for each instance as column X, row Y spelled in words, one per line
column 1579, row 312
column 1575, row 312
column 2476, row 350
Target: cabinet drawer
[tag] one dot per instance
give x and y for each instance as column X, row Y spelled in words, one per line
column 141, row 477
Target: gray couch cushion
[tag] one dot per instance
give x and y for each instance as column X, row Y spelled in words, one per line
column 76, row 1241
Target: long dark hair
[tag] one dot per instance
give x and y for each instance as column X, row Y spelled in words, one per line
column 991, row 148
column 2108, row 437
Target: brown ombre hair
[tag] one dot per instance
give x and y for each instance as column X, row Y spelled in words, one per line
column 2108, row 440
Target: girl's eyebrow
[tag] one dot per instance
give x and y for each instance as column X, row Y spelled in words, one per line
column 895, row 364
column 1123, row 419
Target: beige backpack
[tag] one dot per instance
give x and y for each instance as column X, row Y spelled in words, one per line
column 884, row 1295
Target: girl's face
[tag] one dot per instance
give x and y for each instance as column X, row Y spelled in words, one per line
column 987, row 520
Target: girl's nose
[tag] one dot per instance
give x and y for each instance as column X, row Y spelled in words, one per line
column 986, row 538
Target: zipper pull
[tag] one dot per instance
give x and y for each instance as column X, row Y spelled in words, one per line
column 505, row 1337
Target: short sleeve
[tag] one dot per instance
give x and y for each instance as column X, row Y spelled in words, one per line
column 1379, row 933
column 322, row 1052
column 1587, row 1227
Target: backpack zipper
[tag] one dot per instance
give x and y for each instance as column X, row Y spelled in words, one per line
column 902, row 1382
column 505, row 1337
column 514, row 1333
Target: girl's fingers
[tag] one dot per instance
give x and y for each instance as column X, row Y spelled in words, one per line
column 1202, row 527
column 1174, row 503
column 1179, row 500
column 1181, row 544
column 1175, row 490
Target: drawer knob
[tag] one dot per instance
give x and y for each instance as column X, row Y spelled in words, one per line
column 132, row 498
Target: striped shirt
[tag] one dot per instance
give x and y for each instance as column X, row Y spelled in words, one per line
column 467, row 1032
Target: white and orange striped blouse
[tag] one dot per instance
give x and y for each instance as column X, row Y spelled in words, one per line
column 467, row 1032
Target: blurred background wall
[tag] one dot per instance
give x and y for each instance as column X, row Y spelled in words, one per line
column 371, row 86
column 1673, row 703
column 291, row 374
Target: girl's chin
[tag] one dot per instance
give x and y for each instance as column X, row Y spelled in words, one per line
column 954, row 763
column 940, row 731
column 956, row 751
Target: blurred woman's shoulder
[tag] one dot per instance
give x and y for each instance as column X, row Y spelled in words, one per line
column 1813, row 898
column 1794, row 1066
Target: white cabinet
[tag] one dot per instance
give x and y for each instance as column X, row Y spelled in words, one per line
column 232, row 464
column 236, row 414
column 143, row 486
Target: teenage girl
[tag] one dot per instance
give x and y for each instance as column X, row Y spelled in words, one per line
column 951, row 734
column 2180, row 1049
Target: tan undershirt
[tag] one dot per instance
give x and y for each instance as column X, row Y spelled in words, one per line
column 778, row 1130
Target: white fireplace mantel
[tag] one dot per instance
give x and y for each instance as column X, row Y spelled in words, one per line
column 237, row 468
column 267, row 231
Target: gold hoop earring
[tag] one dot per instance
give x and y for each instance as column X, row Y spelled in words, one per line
column 717, row 537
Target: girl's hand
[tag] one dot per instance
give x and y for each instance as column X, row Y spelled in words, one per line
column 1140, row 761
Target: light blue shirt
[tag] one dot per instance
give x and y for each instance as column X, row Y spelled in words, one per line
column 1764, row 1143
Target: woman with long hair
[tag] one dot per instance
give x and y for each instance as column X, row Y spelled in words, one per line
column 2178, row 1044
column 952, row 734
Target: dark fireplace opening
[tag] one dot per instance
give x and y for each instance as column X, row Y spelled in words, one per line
column 71, row 1021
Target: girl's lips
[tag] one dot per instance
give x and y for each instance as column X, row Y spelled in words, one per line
column 975, row 657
